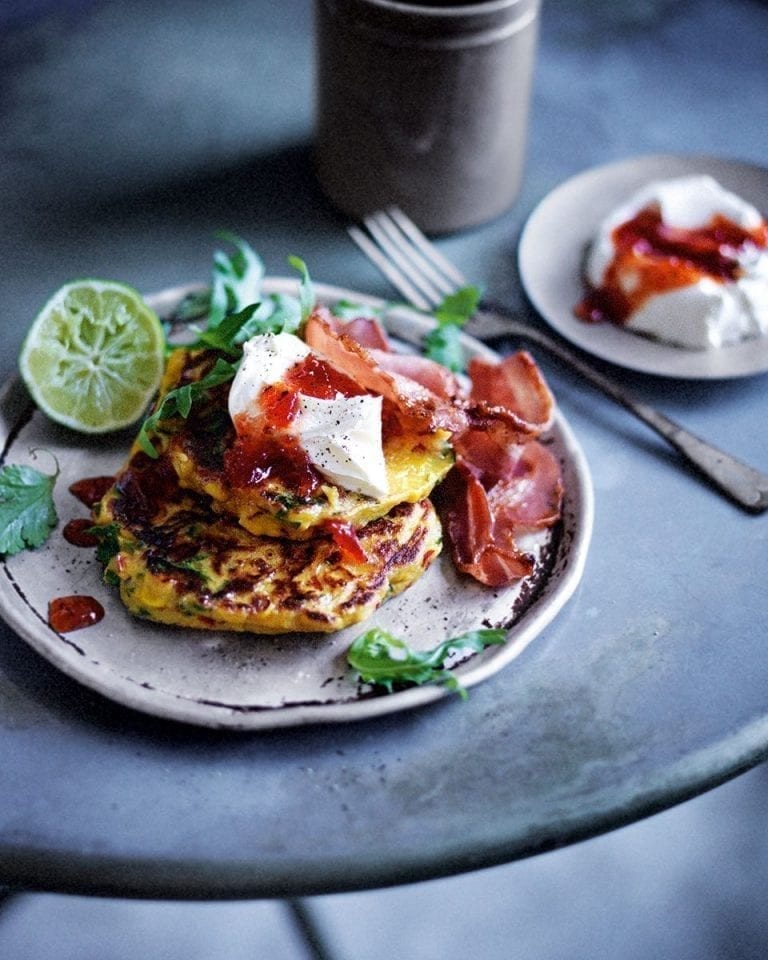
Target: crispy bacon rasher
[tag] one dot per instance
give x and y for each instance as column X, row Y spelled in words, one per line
column 420, row 407
column 505, row 481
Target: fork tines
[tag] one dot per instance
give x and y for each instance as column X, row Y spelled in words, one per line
column 407, row 258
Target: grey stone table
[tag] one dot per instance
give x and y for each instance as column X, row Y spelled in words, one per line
column 130, row 134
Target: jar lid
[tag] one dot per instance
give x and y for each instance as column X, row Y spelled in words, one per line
column 445, row 24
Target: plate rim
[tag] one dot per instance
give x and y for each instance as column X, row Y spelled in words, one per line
column 605, row 341
column 66, row 655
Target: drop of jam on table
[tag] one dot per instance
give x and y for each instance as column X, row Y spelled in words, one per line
column 66, row 614
column 90, row 490
column 664, row 258
column 78, row 532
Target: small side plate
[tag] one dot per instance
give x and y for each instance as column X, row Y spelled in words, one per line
column 553, row 245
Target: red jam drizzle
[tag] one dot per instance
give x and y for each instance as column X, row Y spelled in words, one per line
column 77, row 532
column 315, row 377
column 259, row 454
column 345, row 538
column 664, row 258
column 279, row 406
column 73, row 613
column 263, row 450
column 91, row 489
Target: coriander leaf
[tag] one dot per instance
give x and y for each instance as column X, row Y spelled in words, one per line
column 179, row 402
column 277, row 313
column 234, row 305
column 27, row 511
column 443, row 345
column 443, row 342
column 194, row 306
column 236, row 280
column 185, row 566
column 380, row 658
column 306, row 290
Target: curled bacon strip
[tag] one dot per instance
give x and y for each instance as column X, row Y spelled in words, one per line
column 515, row 384
column 528, row 495
column 478, row 547
column 482, row 513
column 419, row 408
column 432, row 375
column 367, row 331
column 504, row 481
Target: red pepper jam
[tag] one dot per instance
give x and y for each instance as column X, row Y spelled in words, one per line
column 260, row 454
column 263, row 449
column 90, row 490
column 73, row 613
column 315, row 377
column 77, row 532
column 660, row 258
column 345, row 537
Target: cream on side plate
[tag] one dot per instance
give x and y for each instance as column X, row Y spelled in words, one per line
column 703, row 310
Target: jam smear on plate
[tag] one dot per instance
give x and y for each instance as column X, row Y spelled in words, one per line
column 90, row 490
column 74, row 612
column 78, row 532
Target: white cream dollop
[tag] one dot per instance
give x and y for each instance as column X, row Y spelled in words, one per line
column 706, row 313
column 341, row 436
column 267, row 358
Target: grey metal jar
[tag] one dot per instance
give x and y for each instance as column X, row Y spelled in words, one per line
column 424, row 105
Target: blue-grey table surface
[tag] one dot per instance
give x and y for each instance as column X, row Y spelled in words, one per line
column 131, row 133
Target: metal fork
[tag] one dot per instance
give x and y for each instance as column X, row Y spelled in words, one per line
column 418, row 270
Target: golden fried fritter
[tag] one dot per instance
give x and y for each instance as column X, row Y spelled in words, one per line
column 177, row 561
column 201, row 448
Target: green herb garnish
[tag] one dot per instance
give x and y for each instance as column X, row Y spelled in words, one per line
column 236, row 282
column 443, row 342
column 346, row 309
column 231, row 331
column 108, row 535
column 27, row 511
column 306, row 290
column 178, row 402
column 231, row 319
column 380, row 658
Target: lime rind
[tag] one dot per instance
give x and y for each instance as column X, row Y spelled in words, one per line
column 94, row 356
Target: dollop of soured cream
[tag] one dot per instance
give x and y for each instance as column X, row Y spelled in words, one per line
column 660, row 258
column 263, row 448
column 73, row 613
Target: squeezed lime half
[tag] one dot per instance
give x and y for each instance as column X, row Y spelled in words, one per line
column 94, row 356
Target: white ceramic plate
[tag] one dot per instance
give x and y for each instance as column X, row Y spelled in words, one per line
column 553, row 245
column 222, row 679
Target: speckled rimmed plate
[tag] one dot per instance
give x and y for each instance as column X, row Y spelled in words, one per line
column 250, row 682
column 555, row 239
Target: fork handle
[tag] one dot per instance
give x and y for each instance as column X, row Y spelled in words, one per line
column 740, row 482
